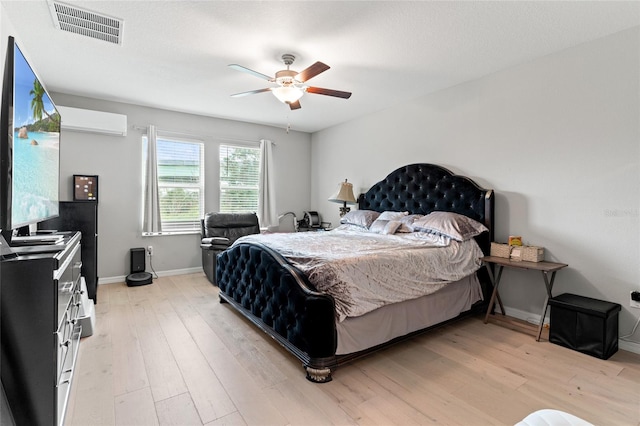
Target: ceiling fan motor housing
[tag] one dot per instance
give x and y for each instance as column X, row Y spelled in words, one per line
column 286, row 77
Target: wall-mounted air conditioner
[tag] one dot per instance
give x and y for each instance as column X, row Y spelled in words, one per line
column 84, row 120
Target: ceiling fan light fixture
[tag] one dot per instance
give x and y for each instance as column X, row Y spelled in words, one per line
column 288, row 94
column 291, row 84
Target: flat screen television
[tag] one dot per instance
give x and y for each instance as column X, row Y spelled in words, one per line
column 29, row 147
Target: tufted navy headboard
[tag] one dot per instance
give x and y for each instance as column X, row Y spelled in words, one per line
column 424, row 188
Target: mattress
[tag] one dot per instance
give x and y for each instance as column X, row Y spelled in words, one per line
column 395, row 320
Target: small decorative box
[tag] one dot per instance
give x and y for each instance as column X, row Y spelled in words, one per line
column 500, row 250
column 515, row 240
column 527, row 253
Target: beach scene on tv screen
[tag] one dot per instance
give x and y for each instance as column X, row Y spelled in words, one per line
column 36, row 148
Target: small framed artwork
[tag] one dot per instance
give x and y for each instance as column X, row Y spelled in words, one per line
column 85, row 188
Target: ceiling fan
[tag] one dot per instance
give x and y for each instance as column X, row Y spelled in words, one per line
column 291, row 85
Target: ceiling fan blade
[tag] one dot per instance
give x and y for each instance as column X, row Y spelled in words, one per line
column 311, row 71
column 329, row 92
column 252, row 72
column 250, row 92
column 295, row 105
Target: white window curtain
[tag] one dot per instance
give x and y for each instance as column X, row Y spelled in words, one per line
column 266, row 191
column 151, row 221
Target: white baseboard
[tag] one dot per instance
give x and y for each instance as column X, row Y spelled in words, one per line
column 535, row 319
column 629, row 346
column 524, row 316
column 121, row 278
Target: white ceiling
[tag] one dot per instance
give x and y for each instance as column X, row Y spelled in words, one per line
column 175, row 54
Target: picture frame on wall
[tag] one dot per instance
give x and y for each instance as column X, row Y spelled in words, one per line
column 85, row 188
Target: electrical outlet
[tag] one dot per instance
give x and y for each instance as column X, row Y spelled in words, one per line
column 150, row 250
column 635, row 299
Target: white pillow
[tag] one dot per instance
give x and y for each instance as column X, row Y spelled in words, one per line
column 389, row 215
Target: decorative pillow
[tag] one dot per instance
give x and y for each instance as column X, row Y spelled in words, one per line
column 406, row 223
column 452, row 225
column 385, row 227
column 362, row 218
column 389, row 215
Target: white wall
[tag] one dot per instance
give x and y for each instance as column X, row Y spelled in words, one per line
column 118, row 162
column 556, row 138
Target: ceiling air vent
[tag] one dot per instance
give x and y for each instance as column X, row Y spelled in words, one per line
column 86, row 23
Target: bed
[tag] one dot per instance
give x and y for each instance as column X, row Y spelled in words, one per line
column 278, row 294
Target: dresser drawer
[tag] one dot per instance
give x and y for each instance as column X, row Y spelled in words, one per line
column 67, row 279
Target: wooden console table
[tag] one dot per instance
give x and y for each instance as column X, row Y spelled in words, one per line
column 548, row 270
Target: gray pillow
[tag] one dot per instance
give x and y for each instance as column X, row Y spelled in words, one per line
column 363, row 218
column 452, row 225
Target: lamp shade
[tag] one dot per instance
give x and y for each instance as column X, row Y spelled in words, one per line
column 344, row 194
column 287, row 94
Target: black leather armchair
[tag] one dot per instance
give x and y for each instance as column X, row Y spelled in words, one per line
column 219, row 231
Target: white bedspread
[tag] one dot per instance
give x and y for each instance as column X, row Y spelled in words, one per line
column 364, row 271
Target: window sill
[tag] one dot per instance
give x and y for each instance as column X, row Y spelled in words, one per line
column 168, row 233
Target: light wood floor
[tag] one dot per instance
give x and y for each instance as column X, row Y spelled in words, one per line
column 169, row 353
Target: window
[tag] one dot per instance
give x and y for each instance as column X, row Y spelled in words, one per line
column 180, row 183
column 239, row 177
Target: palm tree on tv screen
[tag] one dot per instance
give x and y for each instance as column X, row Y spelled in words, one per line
column 37, row 104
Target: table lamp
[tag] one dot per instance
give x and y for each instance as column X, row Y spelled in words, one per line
column 344, row 194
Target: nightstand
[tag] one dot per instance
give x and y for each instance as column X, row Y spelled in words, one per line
column 548, row 270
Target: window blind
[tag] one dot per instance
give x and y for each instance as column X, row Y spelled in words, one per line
column 239, row 177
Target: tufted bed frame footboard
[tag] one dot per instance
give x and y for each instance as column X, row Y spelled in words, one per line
column 279, row 299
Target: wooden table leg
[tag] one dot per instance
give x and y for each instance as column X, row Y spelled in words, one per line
column 549, row 286
column 494, row 295
column 500, row 304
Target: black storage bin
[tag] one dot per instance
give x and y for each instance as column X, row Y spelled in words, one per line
column 584, row 324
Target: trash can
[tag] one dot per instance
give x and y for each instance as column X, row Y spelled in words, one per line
column 584, row 324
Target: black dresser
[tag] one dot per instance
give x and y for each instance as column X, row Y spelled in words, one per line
column 81, row 216
column 39, row 329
